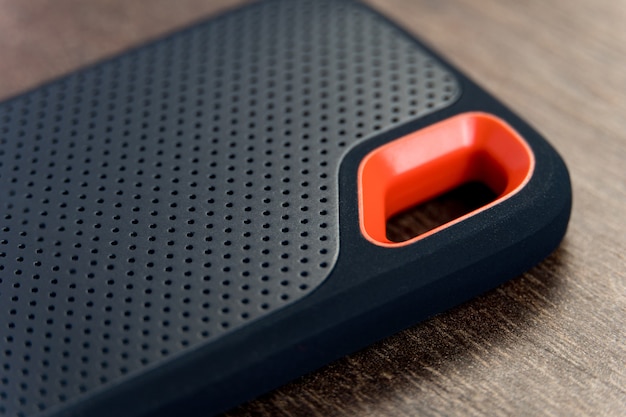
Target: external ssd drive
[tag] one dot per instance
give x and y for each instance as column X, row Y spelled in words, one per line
column 204, row 218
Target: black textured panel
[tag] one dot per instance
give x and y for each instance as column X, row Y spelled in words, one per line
column 166, row 197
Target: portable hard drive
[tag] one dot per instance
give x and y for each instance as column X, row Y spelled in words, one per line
column 199, row 220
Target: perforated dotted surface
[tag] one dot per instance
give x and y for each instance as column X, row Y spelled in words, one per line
column 174, row 194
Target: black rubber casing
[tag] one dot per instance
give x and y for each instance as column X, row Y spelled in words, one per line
column 363, row 292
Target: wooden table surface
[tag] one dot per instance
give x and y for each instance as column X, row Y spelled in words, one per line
column 550, row 342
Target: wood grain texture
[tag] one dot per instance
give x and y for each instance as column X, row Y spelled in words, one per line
column 551, row 342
